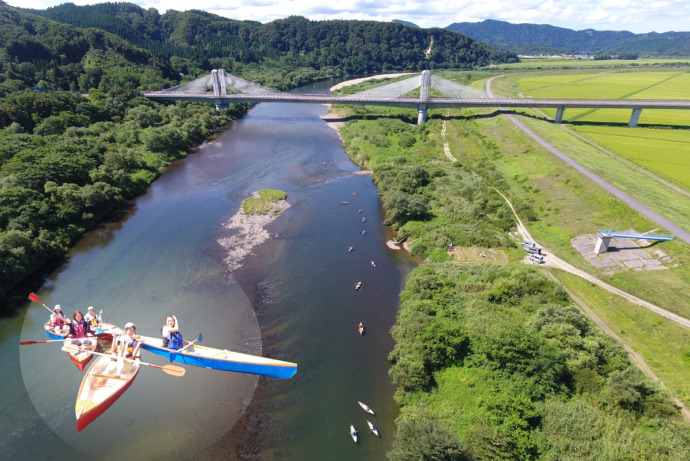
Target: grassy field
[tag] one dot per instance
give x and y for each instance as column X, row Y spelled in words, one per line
column 569, row 205
column 559, row 63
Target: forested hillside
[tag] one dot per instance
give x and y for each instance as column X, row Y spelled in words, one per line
column 195, row 41
column 67, row 160
column 543, row 38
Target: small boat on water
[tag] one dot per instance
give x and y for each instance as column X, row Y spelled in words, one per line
column 220, row 359
column 364, row 232
column 372, row 428
column 100, row 389
column 107, row 330
column 55, row 332
column 360, row 328
column 373, row 264
column 344, row 203
column 349, row 249
column 363, row 219
column 365, row 407
column 358, row 285
column 80, row 351
column 353, row 433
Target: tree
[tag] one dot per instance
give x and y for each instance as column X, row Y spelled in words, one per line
column 425, row 440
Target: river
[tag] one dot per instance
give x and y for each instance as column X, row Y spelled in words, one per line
column 293, row 298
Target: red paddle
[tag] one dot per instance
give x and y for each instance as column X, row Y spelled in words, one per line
column 24, row 343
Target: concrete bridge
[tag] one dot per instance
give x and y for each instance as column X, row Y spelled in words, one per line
column 223, row 89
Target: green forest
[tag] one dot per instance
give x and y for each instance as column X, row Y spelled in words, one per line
column 77, row 139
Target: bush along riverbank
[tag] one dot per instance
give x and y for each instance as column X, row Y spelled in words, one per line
column 494, row 361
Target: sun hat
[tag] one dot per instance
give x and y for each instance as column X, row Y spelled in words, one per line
column 129, row 325
column 57, row 306
column 90, row 308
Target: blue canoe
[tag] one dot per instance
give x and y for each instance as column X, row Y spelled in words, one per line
column 220, row 359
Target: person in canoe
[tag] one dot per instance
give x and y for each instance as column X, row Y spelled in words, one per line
column 172, row 338
column 58, row 320
column 79, row 330
column 125, row 346
column 94, row 319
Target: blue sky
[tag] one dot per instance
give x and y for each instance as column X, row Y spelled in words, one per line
column 637, row 16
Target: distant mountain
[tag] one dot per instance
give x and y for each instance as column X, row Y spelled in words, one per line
column 541, row 38
column 405, row 23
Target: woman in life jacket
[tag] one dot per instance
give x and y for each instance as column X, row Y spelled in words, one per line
column 93, row 318
column 172, row 338
column 79, row 330
column 58, row 319
column 125, row 346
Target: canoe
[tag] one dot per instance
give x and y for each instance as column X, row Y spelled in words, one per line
column 360, row 328
column 99, row 390
column 220, row 359
column 365, row 407
column 372, row 428
column 82, row 354
column 353, row 433
column 55, row 333
column 107, row 331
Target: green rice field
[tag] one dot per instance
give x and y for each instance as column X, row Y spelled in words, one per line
column 659, row 149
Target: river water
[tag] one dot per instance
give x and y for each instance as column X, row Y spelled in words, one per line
column 292, row 299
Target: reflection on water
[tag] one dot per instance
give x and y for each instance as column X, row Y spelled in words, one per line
column 293, row 300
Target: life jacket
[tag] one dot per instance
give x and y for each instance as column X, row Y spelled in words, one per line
column 94, row 321
column 55, row 320
column 173, row 341
column 125, row 346
column 79, row 329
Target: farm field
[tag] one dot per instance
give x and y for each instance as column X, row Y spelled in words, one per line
column 546, row 63
column 661, row 151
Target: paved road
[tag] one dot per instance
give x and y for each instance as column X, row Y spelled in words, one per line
column 678, row 231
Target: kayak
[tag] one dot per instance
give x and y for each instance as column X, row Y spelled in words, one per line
column 365, row 407
column 82, row 353
column 372, row 428
column 220, row 359
column 99, row 390
column 353, row 433
column 360, row 328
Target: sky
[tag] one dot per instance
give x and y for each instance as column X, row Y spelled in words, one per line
column 638, row 16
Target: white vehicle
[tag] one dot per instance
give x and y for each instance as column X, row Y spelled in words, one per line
column 528, row 244
column 533, row 250
column 538, row 259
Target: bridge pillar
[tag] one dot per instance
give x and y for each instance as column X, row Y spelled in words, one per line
column 424, row 84
column 219, row 88
column 602, row 244
column 421, row 116
column 635, row 117
column 559, row 114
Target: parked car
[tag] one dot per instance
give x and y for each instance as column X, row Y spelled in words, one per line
column 528, row 244
column 536, row 258
column 533, row 250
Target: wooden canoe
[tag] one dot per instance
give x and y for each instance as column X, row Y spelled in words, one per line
column 81, row 355
column 220, row 359
column 55, row 333
column 100, row 389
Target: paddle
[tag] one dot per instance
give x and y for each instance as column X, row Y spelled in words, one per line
column 34, row 297
column 173, row 354
column 169, row 369
column 24, row 343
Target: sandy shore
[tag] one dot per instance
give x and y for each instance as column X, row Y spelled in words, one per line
column 248, row 231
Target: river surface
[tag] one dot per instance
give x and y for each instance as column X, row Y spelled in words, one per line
column 292, row 299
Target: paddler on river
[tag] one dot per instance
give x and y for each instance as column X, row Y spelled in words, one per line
column 124, row 347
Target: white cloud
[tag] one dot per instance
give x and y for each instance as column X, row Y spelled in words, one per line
column 635, row 15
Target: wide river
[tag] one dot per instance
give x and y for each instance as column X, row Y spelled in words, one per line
column 293, row 299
